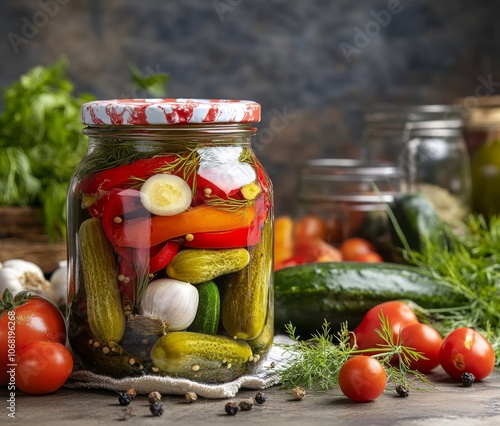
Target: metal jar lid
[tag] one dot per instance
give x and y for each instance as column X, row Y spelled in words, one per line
column 141, row 112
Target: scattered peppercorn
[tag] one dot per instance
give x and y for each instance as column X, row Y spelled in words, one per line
column 132, row 392
column 260, row 397
column 468, row 379
column 402, row 391
column 231, row 408
column 190, row 397
column 298, row 393
column 154, row 396
column 246, row 404
column 124, row 398
column 156, row 408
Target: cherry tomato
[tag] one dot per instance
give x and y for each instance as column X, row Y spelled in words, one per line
column 27, row 319
column 310, row 226
column 362, row 378
column 465, row 350
column 315, row 249
column 370, row 257
column 399, row 315
column 425, row 339
column 42, row 367
column 292, row 261
column 352, row 248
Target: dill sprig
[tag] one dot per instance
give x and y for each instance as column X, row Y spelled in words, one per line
column 232, row 205
column 469, row 267
column 315, row 363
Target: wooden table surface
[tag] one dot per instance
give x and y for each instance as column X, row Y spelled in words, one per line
column 449, row 403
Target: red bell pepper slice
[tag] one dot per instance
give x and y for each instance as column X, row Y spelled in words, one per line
column 117, row 211
column 146, row 232
column 240, row 237
column 108, row 179
column 163, row 255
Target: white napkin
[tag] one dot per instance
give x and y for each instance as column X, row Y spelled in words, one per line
column 264, row 378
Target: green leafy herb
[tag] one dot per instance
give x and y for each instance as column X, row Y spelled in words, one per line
column 153, row 83
column 316, row 363
column 41, row 142
column 470, row 268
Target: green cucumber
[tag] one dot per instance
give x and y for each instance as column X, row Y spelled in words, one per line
column 201, row 357
column 306, row 295
column 245, row 294
column 417, row 219
column 207, row 316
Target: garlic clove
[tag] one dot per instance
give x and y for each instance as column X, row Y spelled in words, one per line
column 9, row 279
column 59, row 283
column 22, row 266
column 174, row 302
column 28, row 276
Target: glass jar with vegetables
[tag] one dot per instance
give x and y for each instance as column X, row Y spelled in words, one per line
column 170, row 241
column 482, row 137
column 383, row 139
column 349, row 199
column 435, row 162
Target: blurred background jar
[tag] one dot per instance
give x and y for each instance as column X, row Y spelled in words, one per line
column 383, row 139
column 436, row 163
column 426, row 144
column 350, row 197
column 482, row 137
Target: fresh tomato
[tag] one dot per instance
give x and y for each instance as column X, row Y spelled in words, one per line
column 464, row 350
column 370, row 257
column 315, row 249
column 24, row 319
column 399, row 315
column 42, row 367
column 310, row 226
column 425, row 339
column 362, row 378
column 292, row 261
column 352, row 248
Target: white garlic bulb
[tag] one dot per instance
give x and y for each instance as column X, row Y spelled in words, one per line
column 174, row 302
column 21, row 275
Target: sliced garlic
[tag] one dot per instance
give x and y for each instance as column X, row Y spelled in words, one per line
column 174, row 302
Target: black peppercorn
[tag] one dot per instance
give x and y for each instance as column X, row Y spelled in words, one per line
column 231, row 408
column 260, row 397
column 402, row 391
column 156, row 408
column 124, row 398
column 468, row 379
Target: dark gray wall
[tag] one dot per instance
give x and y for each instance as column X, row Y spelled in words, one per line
column 315, row 66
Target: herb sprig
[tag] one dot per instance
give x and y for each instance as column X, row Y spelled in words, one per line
column 315, row 363
column 470, row 268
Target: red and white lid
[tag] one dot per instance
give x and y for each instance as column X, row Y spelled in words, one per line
column 125, row 112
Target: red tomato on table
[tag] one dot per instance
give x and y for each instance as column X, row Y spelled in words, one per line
column 464, row 350
column 425, row 339
column 25, row 319
column 42, row 367
column 362, row 378
column 399, row 315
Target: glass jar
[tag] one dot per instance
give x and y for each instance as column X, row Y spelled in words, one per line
column 170, row 223
column 384, row 135
column 482, row 137
column 350, row 197
column 435, row 162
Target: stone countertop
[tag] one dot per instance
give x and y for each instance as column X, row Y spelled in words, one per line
column 448, row 403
